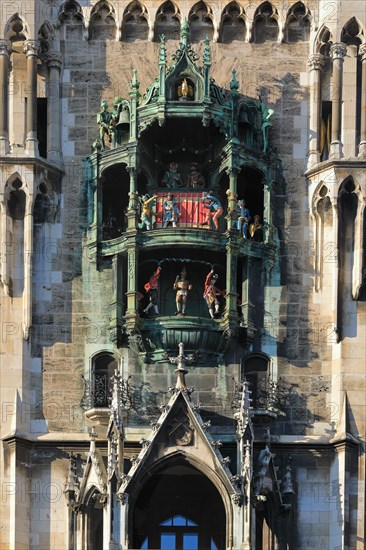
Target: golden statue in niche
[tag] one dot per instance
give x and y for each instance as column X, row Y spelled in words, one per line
column 185, row 91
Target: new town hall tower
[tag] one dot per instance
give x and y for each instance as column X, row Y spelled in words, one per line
column 182, row 267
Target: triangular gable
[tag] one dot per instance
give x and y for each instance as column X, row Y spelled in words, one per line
column 95, row 474
column 180, row 430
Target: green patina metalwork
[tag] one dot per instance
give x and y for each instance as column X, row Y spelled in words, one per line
column 183, row 116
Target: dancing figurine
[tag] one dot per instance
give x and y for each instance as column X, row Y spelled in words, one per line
column 182, row 286
column 211, row 294
column 170, row 211
column 152, row 288
column 243, row 218
column 215, row 210
column 147, row 204
column 256, row 229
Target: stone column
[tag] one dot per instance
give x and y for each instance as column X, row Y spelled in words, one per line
column 132, row 206
column 362, row 146
column 337, row 52
column 5, row 46
column 132, row 262
column 232, row 209
column 316, row 64
column 28, row 264
column 31, row 48
column 54, row 154
column 231, row 277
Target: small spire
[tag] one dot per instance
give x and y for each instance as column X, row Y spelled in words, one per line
column 180, row 371
column 207, row 52
column 234, row 84
column 184, row 32
column 135, row 84
column 162, row 50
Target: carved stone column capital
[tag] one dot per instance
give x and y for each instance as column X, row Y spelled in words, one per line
column 316, row 62
column 338, row 51
column 31, row 48
column 54, row 60
column 5, row 47
column 362, row 51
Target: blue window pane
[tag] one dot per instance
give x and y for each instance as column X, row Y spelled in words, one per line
column 167, row 541
column 166, row 522
column 145, row 544
column 190, row 541
column 191, row 523
column 213, row 545
column 179, row 521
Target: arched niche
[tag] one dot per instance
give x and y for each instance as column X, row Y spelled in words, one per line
column 135, row 22
column 200, row 22
column 178, row 499
column 72, row 21
column 102, row 369
column 41, row 208
column 297, row 24
column 167, row 21
column 115, row 188
column 265, row 24
column 182, row 141
column 102, row 22
column 348, row 202
column 250, row 188
column 323, row 43
column 352, row 33
column 16, row 203
column 197, row 265
column 93, row 525
column 16, row 29
column 353, row 36
column 233, row 23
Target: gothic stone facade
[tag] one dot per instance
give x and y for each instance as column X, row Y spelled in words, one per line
column 269, row 449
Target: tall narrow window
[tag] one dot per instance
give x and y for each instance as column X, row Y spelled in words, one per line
column 103, row 368
column 42, row 126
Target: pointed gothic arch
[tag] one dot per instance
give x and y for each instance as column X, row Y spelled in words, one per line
column 167, row 22
column 102, row 21
column 297, row 27
column 323, row 41
column 71, row 19
column 46, row 37
column 353, row 33
column 180, row 499
column 135, row 24
column 233, row 23
column 200, row 20
column 265, row 24
column 16, row 28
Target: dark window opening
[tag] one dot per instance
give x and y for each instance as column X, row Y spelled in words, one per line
column 325, row 130
column 103, row 370
column 192, row 517
column 42, row 126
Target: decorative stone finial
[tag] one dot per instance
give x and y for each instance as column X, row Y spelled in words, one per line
column 184, row 32
column 234, row 84
column 207, row 52
column 287, row 481
column 135, row 84
column 162, row 50
column 180, row 371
